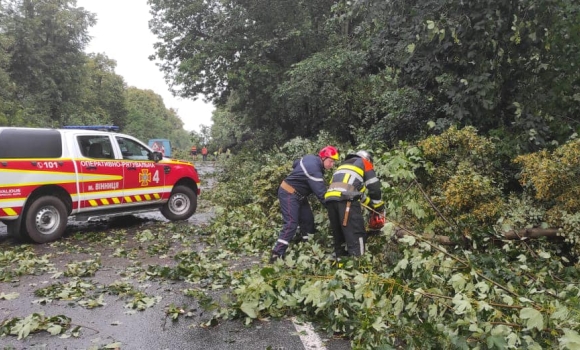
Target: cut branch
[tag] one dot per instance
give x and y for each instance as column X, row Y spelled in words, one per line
column 531, row 233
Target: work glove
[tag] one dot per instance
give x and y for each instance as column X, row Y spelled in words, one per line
column 379, row 207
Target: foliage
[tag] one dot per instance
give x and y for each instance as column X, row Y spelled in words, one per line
column 551, row 178
column 410, row 292
column 46, row 80
column 102, row 91
column 34, row 323
column 23, row 261
column 491, row 64
column 46, row 58
column 237, row 55
column 377, row 71
column 150, row 119
column 463, row 185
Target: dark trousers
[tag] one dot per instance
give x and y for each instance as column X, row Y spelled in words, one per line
column 353, row 234
column 295, row 212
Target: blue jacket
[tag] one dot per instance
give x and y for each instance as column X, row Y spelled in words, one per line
column 307, row 176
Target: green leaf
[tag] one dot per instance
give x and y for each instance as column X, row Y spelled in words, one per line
column 461, row 304
column 379, row 325
column 250, row 308
column 457, row 282
column 496, row 341
column 266, row 271
column 570, row 339
column 54, row 329
column 9, row 296
column 561, row 313
column 115, row 345
column 398, row 305
column 534, row 317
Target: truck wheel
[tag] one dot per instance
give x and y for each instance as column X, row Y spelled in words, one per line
column 181, row 204
column 46, row 219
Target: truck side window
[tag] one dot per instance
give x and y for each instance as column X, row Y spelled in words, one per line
column 30, row 143
column 95, row 146
column 132, row 150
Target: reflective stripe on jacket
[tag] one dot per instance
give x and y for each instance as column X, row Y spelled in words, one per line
column 355, row 179
column 307, row 176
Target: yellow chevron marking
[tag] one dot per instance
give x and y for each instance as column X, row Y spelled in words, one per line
column 9, row 211
column 105, row 201
column 93, row 203
column 138, row 198
column 116, row 200
column 156, row 195
column 147, row 197
column 128, row 199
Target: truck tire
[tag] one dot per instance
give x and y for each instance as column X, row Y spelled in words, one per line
column 181, row 204
column 46, row 219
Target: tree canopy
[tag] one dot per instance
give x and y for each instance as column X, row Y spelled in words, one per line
column 47, row 79
column 376, row 70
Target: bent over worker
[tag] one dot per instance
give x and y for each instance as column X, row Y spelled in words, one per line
column 354, row 182
column 306, row 178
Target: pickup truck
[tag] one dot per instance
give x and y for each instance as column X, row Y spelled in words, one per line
column 48, row 176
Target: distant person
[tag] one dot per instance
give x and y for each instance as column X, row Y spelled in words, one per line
column 228, row 153
column 193, row 152
column 204, row 153
column 307, row 177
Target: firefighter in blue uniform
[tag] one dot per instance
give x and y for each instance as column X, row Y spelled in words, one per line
column 305, row 178
column 354, row 182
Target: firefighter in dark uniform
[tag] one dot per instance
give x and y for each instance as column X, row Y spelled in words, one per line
column 354, row 182
column 305, row 178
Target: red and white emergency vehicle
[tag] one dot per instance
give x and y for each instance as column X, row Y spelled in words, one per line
column 49, row 175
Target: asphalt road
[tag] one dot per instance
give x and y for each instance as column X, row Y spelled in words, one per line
column 123, row 257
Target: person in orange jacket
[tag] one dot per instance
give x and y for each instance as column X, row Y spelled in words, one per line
column 204, row 153
column 193, row 152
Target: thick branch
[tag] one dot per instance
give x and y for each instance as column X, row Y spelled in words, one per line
column 520, row 234
column 531, row 233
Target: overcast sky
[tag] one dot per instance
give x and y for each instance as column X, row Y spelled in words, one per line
column 122, row 33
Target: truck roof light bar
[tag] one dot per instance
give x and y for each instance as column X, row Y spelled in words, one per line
column 93, row 127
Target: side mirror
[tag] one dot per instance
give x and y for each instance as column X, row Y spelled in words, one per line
column 155, row 156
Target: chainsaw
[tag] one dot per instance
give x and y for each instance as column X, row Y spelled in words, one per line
column 376, row 221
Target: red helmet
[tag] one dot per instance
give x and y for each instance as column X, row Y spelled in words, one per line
column 328, row 152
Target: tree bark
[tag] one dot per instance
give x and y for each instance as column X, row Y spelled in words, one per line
column 531, row 233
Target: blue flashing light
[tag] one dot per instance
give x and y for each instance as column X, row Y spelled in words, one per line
column 93, row 127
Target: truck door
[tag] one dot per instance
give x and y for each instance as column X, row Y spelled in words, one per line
column 100, row 174
column 144, row 180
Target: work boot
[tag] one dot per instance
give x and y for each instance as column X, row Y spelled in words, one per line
column 274, row 257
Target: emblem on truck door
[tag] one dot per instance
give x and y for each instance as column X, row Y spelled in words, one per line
column 144, row 177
